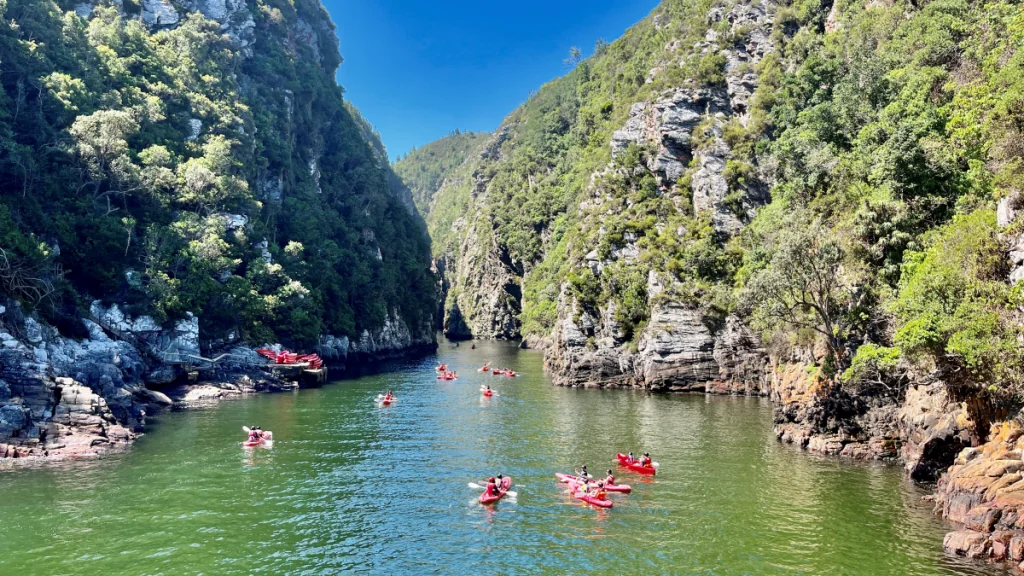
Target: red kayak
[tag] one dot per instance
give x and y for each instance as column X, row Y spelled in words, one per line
column 588, row 498
column 496, row 372
column 488, row 393
column 635, row 467
column 487, row 498
column 386, row 402
column 565, row 478
column 260, row 440
column 442, row 368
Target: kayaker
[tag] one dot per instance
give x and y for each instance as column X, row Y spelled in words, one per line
column 645, row 460
column 629, row 458
column 253, row 434
column 492, row 487
column 610, row 478
column 582, row 473
column 600, row 493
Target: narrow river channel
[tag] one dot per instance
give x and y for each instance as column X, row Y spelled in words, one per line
column 352, row 487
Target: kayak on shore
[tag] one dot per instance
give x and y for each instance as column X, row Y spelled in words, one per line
column 488, row 498
column 569, row 478
column 635, row 466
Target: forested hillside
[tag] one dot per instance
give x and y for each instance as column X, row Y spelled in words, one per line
column 197, row 157
column 424, row 169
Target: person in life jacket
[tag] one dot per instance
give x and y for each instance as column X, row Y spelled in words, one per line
column 599, row 492
column 609, row 480
column 254, row 434
column 645, row 460
column 583, row 488
column 492, row 487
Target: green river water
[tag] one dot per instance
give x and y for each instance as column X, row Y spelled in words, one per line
column 349, row 487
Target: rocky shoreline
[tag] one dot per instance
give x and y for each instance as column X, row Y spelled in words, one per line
column 983, row 493
column 63, row 398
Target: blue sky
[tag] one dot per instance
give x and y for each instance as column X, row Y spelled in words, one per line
column 419, row 69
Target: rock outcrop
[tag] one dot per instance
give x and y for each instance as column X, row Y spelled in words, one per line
column 817, row 414
column 934, row 429
column 680, row 350
column 983, row 493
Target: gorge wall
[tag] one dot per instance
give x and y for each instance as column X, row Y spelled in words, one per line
column 185, row 182
column 776, row 199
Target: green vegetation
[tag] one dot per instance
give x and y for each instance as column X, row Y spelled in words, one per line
column 424, row 169
column 106, row 176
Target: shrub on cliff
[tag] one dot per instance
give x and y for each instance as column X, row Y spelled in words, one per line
column 955, row 311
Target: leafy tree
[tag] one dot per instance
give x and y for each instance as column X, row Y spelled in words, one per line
column 802, row 286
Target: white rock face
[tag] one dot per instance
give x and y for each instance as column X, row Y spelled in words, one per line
column 264, row 248
column 333, row 348
column 234, row 221
column 177, row 345
column 393, row 336
column 195, row 127
column 159, row 13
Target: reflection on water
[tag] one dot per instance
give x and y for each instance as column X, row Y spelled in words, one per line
column 351, row 486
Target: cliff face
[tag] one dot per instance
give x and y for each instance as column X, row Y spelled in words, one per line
column 191, row 173
column 682, row 347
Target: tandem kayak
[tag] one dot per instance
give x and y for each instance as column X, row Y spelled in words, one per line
column 635, row 467
column 588, row 498
column 506, row 484
column 565, row 478
column 261, row 440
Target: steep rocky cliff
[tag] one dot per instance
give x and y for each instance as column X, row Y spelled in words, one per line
column 186, row 182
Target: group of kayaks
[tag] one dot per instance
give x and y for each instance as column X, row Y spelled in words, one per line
column 581, row 488
column 580, row 484
column 503, row 372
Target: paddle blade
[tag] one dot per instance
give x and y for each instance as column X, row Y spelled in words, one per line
column 512, row 494
column 656, row 465
column 246, row 428
column 475, row 486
